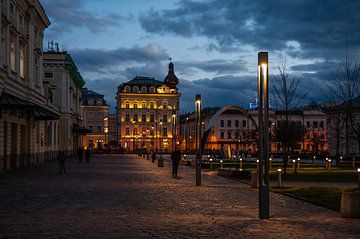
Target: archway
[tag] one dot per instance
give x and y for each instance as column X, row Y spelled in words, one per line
column 214, row 119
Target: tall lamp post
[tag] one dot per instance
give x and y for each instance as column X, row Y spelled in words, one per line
column 197, row 138
column 106, row 127
column 174, row 129
column 263, row 124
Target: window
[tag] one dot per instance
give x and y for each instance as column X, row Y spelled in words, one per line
column 229, row 135
column 12, row 54
column 99, row 128
column 127, row 118
column 308, row 124
column 143, row 89
column 164, row 118
column 321, row 124
column 164, row 104
column 222, row 135
column 135, row 105
column 135, row 89
column 237, row 135
column 315, row 125
column 127, row 131
column 143, row 118
column 127, row 89
column 3, row 46
column 244, row 123
column 152, row 118
column 151, row 105
column 22, row 61
column 165, row 132
column 143, row 104
column 127, row 105
column 236, row 123
column 152, row 89
column 229, row 123
column 221, row 123
column 136, row 118
column 135, row 131
column 48, row 75
column 99, row 115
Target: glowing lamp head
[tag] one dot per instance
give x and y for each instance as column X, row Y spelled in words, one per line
column 279, row 169
column 358, row 170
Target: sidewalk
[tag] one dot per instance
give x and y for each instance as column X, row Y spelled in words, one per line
column 125, row 197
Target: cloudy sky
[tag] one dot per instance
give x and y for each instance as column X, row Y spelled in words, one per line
column 213, row 43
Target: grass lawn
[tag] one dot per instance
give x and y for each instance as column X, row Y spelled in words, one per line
column 319, row 176
column 326, row 197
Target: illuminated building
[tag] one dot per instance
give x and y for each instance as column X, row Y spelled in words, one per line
column 95, row 113
column 148, row 111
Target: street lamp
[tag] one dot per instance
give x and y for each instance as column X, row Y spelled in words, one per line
column 197, row 139
column 106, row 127
column 174, row 129
column 263, row 125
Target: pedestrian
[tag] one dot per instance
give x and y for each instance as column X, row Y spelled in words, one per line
column 175, row 159
column 87, row 154
column 153, row 156
column 61, row 159
column 80, row 153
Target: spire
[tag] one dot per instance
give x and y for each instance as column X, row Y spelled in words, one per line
column 171, row 78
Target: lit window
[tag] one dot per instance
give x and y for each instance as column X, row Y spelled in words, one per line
column 22, row 61
column 135, row 105
column 127, row 105
column 12, row 54
column 127, row 131
column 143, row 105
column 151, row 105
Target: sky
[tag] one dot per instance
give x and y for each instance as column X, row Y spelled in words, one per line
column 212, row 43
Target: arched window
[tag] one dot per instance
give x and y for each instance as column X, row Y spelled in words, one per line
column 152, row 89
column 135, row 89
column 127, row 89
column 143, row 89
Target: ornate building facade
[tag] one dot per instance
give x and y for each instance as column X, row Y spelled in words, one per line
column 148, row 113
column 28, row 117
column 95, row 113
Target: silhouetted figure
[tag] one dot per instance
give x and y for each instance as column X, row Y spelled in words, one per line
column 80, row 153
column 61, row 159
column 87, row 155
column 153, row 156
column 175, row 159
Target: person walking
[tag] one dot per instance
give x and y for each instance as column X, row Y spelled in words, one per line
column 175, row 159
column 80, row 153
column 61, row 159
column 153, row 156
column 87, row 154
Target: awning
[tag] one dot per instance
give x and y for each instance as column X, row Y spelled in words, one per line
column 81, row 130
column 9, row 102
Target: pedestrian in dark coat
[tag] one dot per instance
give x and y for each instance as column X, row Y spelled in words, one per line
column 61, row 159
column 175, row 159
column 153, row 156
column 87, row 155
column 80, row 153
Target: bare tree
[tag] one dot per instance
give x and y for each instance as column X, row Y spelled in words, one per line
column 344, row 87
column 286, row 96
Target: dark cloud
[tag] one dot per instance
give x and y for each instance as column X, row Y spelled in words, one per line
column 302, row 28
column 100, row 60
column 66, row 15
column 216, row 66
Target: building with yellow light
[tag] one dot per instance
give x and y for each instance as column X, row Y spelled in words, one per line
column 148, row 112
column 95, row 113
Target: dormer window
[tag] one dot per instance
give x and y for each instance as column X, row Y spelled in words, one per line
column 143, row 89
column 152, row 89
column 135, row 89
column 127, row 89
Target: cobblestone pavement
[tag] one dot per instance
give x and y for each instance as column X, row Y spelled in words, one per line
column 124, row 197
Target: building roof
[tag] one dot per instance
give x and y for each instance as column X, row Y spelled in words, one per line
column 171, row 78
column 89, row 94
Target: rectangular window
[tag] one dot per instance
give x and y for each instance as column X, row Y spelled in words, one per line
column 48, row 75
column 229, row 135
column 321, row 124
column 99, row 129
column 151, row 105
column 22, row 61
column 244, row 123
column 165, row 132
column 3, row 46
column 164, row 118
column 135, row 105
column 143, row 105
column 164, row 104
column 90, row 127
column 127, row 118
column 237, row 135
column 136, row 118
column 127, row 105
column 143, row 118
column 236, row 123
column 127, row 131
column 229, row 123
column 152, row 118
column 222, row 135
column 12, row 55
column 315, row 125
column 308, row 124
column 135, row 131
column 221, row 123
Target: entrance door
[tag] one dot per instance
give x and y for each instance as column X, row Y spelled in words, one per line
column 13, row 153
column 5, row 145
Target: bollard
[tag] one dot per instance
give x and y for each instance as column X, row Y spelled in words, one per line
column 279, row 178
column 294, row 165
column 254, row 179
column 326, row 163
column 329, row 165
column 270, row 160
column 211, row 162
column 358, row 170
column 340, row 159
column 147, row 155
column 160, row 161
column 257, row 165
column 298, row 163
column 221, row 162
column 241, row 165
